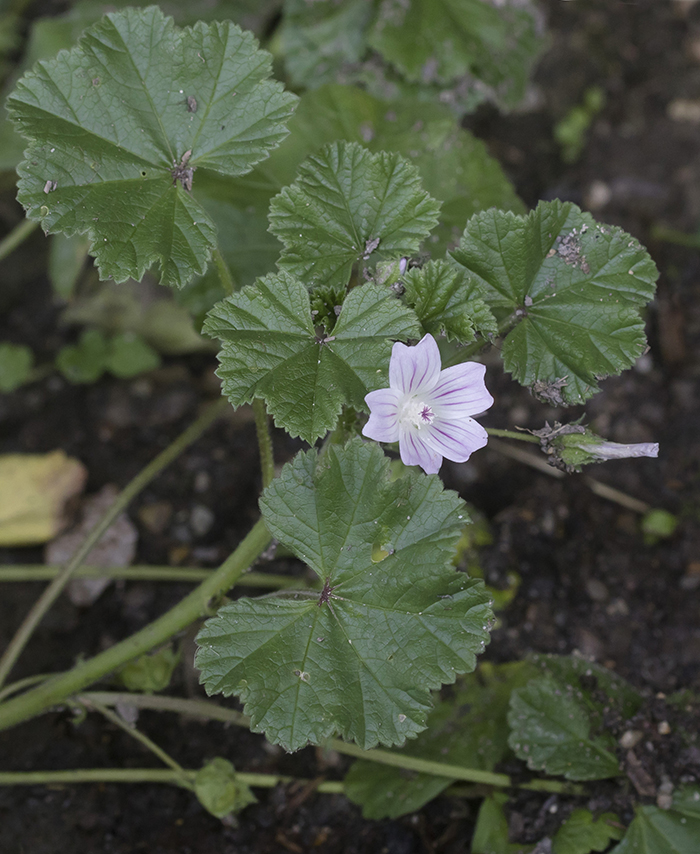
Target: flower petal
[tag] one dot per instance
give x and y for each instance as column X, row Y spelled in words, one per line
column 415, row 452
column 383, row 424
column 460, row 392
column 456, row 440
column 415, row 369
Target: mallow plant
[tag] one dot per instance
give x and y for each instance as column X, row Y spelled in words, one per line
column 364, row 342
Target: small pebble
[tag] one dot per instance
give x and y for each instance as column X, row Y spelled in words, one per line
column 201, row 520
column 664, row 728
column 631, row 738
column 596, row 590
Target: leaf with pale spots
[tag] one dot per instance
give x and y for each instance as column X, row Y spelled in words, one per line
column 394, row 619
column 573, row 289
column 118, row 125
column 271, row 349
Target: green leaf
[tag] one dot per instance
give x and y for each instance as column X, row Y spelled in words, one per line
column 581, row 833
column 271, row 350
column 129, row 355
column 51, row 34
column 16, row 362
column 657, row 831
column 455, row 168
column 491, row 831
column 554, row 725
column 442, row 296
column 129, row 114
column 590, row 678
column 470, row 729
column 440, row 41
column 361, row 658
column 321, row 39
column 345, row 205
column 86, row 361
column 575, row 288
column 150, row 673
column 219, row 790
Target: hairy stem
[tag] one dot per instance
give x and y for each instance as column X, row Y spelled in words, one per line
column 196, row 604
column 145, row 572
column 145, row 476
column 513, row 434
column 117, row 720
column 262, row 428
column 148, row 775
column 18, row 235
column 213, row 711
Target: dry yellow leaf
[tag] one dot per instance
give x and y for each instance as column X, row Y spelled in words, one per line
column 34, row 489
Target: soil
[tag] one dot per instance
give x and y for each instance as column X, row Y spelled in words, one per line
column 590, row 583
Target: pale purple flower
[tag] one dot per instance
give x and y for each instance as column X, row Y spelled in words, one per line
column 428, row 410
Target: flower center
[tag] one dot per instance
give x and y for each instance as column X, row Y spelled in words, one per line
column 416, row 413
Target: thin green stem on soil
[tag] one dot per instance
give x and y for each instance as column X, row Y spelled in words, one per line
column 513, row 434
column 144, row 572
column 212, row 711
column 18, row 235
column 150, row 775
column 262, row 428
column 222, row 269
column 145, row 476
column 135, row 733
column 196, row 604
column 455, row 772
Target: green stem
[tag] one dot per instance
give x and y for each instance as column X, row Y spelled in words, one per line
column 44, row 572
column 454, row 772
column 117, row 720
column 262, row 428
column 212, row 711
column 145, row 476
column 147, row 775
column 512, row 434
column 18, row 235
column 21, row 684
column 196, row 604
column 222, row 269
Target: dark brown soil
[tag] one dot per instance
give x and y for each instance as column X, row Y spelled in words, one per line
column 589, row 581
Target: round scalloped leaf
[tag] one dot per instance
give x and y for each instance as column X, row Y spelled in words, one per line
column 270, row 349
column 393, row 622
column 119, row 124
column 345, row 206
column 576, row 288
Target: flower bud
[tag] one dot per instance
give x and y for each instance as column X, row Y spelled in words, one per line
column 571, row 446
